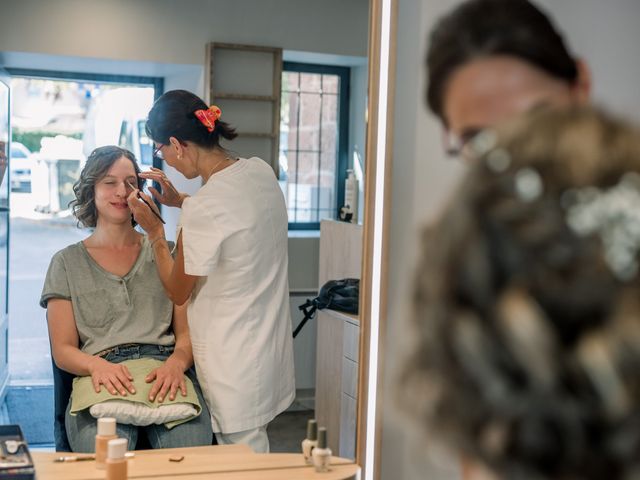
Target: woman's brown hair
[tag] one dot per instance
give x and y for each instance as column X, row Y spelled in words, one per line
column 97, row 166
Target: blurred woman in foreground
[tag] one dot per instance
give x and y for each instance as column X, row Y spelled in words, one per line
column 526, row 357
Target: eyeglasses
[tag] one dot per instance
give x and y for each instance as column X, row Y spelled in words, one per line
column 456, row 146
column 157, row 152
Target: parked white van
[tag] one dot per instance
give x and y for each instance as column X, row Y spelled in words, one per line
column 118, row 117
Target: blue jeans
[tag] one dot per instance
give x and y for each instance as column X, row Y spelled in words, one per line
column 82, row 428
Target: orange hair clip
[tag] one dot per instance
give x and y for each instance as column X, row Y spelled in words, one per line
column 209, row 116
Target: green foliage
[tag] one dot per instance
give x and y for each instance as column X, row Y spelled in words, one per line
column 31, row 139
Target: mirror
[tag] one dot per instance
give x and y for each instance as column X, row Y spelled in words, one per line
column 319, row 129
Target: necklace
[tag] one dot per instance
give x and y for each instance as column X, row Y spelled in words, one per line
column 216, row 166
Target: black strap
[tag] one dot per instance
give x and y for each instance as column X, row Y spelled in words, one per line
column 309, row 310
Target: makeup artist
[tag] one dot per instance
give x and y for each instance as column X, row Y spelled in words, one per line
column 231, row 261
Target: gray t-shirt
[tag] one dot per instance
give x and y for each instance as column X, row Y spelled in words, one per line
column 110, row 310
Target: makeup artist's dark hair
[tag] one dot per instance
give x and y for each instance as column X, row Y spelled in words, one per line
column 97, row 166
column 525, row 330
column 482, row 28
column 172, row 115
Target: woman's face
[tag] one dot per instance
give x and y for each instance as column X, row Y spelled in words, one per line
column 111, row 192
column 175, row 154
column 487, row 91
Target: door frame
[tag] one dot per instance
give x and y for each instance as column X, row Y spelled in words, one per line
column 5, row 79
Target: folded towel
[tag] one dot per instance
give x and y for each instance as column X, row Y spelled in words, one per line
column 83, row 396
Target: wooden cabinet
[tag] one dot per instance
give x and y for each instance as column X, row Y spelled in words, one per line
column 338, row 340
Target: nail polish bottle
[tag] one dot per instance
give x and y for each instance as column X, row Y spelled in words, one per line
column 106, row 432
column 321, row 453
column 116, row 461
column 309, row 443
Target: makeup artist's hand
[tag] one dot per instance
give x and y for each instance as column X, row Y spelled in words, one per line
column 143, row 215
column 169, row 196
column 169, row 377
column 114, row 376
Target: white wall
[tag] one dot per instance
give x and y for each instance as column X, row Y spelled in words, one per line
column 606, row 35
column 172, row 31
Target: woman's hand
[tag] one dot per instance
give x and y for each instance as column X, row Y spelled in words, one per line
column 143, row 215
column 169, row 195
column 114, row 376
column 168, row 379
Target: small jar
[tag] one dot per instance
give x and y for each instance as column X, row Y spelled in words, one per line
column 106, row 432
column 116, row 460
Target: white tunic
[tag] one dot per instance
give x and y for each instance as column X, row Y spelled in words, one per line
column 234, row 236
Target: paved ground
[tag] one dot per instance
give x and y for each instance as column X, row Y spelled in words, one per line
column 34, row 238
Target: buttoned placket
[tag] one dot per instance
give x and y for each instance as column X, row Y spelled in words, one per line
column 123, row 282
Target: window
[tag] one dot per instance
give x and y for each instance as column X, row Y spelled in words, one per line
column 313, row 142
column 57, row 119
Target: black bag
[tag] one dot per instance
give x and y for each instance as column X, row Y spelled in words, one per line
column 342, row 295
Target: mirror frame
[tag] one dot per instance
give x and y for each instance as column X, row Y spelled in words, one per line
column 373, row 288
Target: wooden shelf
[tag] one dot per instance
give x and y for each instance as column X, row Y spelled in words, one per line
column 254, row 48
column 229, row 65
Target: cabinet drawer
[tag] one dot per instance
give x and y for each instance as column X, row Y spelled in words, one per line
column 349, row 377
column 348, row 427
column 351, row 341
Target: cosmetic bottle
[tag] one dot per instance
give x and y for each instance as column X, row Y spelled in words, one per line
column 351, row 195
column 116, row 461
column 106, row 432
column 309, row 443
column 321, row 453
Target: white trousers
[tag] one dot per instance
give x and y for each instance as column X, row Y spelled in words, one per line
column 256, row 438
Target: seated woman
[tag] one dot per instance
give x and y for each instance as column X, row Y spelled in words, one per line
column 105, row 304
column 526, row 355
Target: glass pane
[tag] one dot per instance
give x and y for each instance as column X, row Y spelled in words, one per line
column 303, row 188
column 4, row 144
column 309, row 125
column 4, row 223
column 310, row 82
column 145, row 144
column 309, row 147
column 330, row 83
column 290, row 81
column 327, row 182
column 330, row 124
column 55, row 125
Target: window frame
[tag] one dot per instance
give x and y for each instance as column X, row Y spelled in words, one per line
column 342, row 160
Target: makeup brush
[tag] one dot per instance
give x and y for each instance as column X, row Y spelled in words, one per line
column 147, row 203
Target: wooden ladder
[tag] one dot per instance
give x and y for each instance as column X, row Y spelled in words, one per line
column 245, row 82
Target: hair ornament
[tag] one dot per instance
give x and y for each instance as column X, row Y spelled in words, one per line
column 208, row 117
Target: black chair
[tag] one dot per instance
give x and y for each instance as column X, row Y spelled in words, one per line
column 62, row 383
